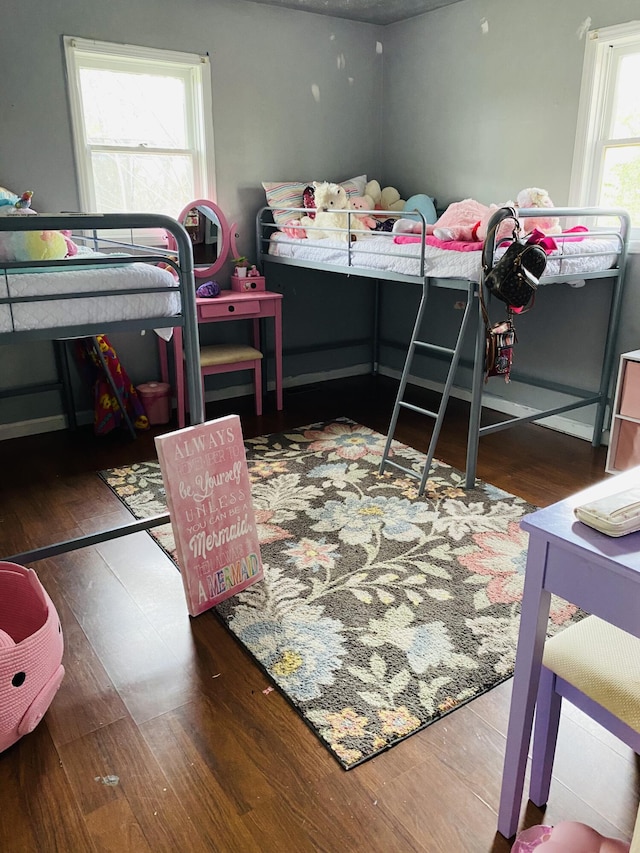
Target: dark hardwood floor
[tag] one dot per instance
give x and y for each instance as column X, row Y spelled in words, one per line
column 175, row 709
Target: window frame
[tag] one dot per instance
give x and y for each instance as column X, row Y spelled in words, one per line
column 193, row 68
column 603, row 49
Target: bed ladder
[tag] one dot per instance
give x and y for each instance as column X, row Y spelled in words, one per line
column 454, row 354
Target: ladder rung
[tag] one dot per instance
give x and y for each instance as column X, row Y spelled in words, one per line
column 402, row 468
column 418, row 409
column 434, row 347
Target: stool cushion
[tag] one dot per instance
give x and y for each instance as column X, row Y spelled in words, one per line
column 603, row 662
column 227, row 354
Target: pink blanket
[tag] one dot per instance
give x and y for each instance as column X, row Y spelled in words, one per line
column 547, row 243
column 453, row 245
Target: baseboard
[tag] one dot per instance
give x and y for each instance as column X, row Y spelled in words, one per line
column 559, row 423
column 20, row 429
column 290, row 382
column 32, row 427
column 327, row 375
column 36, row 426
column 490, row 401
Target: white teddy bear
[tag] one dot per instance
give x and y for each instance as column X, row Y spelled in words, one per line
column 331, row 203
column 384, row 199
column 536, row 197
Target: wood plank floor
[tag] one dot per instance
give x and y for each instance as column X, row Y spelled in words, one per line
column 161, row 737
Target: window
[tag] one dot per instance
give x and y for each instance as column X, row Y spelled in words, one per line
column 142, row 129
column 607, row 154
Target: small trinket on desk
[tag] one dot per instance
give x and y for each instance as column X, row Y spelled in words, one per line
column 208, row 289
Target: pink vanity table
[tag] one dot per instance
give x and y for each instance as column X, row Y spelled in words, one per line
column 598, row 573
column 230, row 305
column 214, row 242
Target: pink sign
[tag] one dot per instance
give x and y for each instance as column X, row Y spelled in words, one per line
column 204, row 469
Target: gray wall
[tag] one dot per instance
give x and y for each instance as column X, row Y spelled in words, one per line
column 267, row 124
column 446, row 109
column 481, row 100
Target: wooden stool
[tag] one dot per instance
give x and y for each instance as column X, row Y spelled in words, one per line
column 225, row 358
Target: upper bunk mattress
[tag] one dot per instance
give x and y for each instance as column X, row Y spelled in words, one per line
column 574, row 257
column 56, row 313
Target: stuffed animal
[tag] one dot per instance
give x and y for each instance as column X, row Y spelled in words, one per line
column 468, row 220
column 535, row 197
column 332, row 203
column 24, row 202
column 31, row 245
column 364, row 202
column 465, row 221
column 424, row 204
column 72, row 248
column 566, row 837
column 384, row 199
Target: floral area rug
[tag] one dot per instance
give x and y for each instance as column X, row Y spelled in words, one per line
column 380, row 611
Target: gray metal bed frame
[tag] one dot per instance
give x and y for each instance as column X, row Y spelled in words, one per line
column 472, row 317
column 181, row 260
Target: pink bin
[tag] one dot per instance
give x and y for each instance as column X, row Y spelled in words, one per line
column 31, row 648
column 155, row 396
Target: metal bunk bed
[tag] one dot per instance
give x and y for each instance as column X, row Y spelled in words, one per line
column 21, row 316
column 606, row 243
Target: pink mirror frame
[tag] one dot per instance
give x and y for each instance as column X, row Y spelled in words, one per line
column 227, row 240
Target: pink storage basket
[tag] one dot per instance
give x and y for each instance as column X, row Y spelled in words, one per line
column 31, row 648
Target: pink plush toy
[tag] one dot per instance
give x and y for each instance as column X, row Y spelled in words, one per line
column 72, row 248
column 465, row 221
column 468, row 220
column 566, row 837
column 364, row 202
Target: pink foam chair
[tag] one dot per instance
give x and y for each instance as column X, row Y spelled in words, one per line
column 31, row 648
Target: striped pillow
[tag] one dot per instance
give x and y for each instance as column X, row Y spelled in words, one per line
column 285, row 194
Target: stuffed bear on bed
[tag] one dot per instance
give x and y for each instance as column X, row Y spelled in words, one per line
column 331, row 206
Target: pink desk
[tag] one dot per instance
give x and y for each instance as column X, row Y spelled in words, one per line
column 598, row 573
column 230, row 305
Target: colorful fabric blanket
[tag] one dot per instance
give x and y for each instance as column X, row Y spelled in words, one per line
column 107, row 412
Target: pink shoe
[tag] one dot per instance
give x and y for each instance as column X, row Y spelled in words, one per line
column 527, row 840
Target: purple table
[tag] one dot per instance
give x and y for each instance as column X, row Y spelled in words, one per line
column 598, row 573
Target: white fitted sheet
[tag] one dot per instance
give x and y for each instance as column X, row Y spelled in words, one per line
column 575, row 257
column 84, row 311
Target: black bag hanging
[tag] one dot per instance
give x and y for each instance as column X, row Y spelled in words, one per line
column 515, row 277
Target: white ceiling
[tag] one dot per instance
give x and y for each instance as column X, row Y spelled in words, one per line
column 367, row 11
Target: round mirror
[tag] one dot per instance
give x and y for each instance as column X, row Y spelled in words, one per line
column 212, row 238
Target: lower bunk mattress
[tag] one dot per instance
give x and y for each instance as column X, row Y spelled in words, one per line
column 54, row 313
column 573, row 256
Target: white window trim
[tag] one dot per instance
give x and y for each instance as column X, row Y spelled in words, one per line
column 199, row 65
column 592, row 110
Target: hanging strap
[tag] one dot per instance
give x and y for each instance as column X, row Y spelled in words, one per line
column 498, row 217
